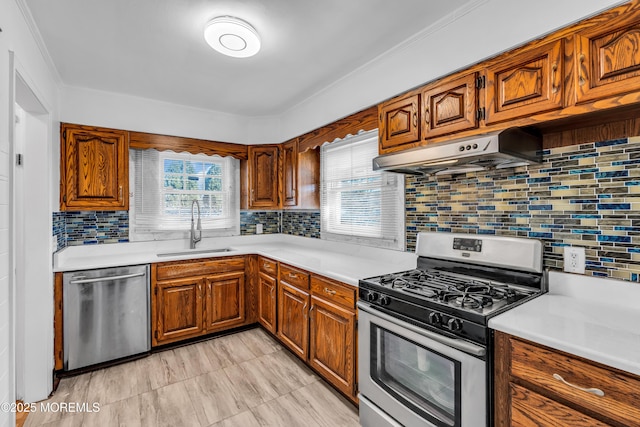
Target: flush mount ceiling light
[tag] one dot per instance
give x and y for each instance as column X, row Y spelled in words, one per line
column 232, row 36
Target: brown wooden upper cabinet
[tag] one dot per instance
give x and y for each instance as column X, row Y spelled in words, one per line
column 527, row 83
column 607, row 59
column 94, row 168
column 450, row 106
column 263, row 176
column 399, row 121
column 290, row 173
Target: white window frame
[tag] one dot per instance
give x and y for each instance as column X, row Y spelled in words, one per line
column 154, row 224
column 390, row 233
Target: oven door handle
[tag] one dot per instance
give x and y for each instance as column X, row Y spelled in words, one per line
column 458, row 344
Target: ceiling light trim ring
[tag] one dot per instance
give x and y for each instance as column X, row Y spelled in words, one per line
column 232, row 37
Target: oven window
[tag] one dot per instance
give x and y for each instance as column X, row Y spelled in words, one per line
column 425, row 381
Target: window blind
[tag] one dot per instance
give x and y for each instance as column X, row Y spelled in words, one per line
column 166, row 183
column 359, row 204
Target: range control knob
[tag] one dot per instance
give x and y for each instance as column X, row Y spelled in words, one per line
column 475, row 146
column 385, row 300
column 435, row 318
column 372, row 296
column 461, row 148
column 454, row 325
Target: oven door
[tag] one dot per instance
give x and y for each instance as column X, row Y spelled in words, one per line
column 416, row 376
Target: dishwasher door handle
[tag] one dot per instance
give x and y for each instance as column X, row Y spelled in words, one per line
column 107, row 279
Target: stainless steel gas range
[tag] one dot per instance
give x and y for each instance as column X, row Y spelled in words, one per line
column 425, row 351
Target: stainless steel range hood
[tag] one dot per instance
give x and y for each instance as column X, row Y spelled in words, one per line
column 507, row 148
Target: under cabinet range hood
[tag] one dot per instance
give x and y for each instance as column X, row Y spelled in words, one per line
column 504, row 149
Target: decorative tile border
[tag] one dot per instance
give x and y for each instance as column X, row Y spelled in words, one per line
column 271, row 221
column 96, row 227
column 583, row 195
column 301, row 223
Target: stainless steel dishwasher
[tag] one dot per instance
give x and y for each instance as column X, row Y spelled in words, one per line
column 106, row 315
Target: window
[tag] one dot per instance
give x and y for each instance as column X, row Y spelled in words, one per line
column 358, row 204
column 167, row 183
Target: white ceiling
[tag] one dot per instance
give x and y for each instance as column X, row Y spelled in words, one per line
column 155, row 48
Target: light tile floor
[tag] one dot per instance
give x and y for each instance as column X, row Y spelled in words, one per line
column 245, row 379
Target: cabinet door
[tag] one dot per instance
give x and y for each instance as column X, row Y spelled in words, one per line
column 95, row 169
column 225, row 301
column 331, row 350
column 527, row 83
column 450, row 107
column 607, row 59
column 179, row 310
column 290, row 173
column 293, row 320
column 267, row 301
column 263, row 177
column 399, row 122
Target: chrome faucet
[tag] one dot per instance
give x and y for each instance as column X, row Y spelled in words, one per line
column 193, row 239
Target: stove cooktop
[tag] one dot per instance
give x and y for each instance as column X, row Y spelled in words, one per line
column 457, row 292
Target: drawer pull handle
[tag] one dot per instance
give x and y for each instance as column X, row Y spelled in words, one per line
column 329, row 291
column 595, row 391
column 293, row 276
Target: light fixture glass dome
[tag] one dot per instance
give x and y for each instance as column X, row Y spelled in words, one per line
column 232, row 36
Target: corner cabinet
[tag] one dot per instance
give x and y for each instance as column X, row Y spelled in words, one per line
column 290, row 173
column 196, row 297
column 264, row 189
column 94, row 168
column 539, row 386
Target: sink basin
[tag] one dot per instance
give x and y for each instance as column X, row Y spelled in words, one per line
column 194, row 252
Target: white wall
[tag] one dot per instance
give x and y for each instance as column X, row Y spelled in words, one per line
column 106, row 109
column 16, row 37
column 496, row 26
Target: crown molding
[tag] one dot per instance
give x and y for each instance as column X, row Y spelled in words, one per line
column 35, row 32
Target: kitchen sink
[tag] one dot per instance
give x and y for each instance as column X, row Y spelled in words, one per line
column 194, row 252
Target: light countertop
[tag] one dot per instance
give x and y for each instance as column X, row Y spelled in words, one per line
column 590, row 317
column 340, row 261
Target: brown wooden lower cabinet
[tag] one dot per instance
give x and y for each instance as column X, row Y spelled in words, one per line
column 539, row 386
column 225, row 301
column 332, row 343
column 267, row 301
column 185, row 304
column 293, row 319
column 179, row 309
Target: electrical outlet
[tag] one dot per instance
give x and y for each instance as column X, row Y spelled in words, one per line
column 574, row 259
column 259, row 229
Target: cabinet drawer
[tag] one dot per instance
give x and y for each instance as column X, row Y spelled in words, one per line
column 531, row 409
column 335, row 292
column 268, row 266
column 293, row 276
column 537, row 366
column 201, row 267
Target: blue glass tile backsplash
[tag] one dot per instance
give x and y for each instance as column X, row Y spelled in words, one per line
column 583, row 195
